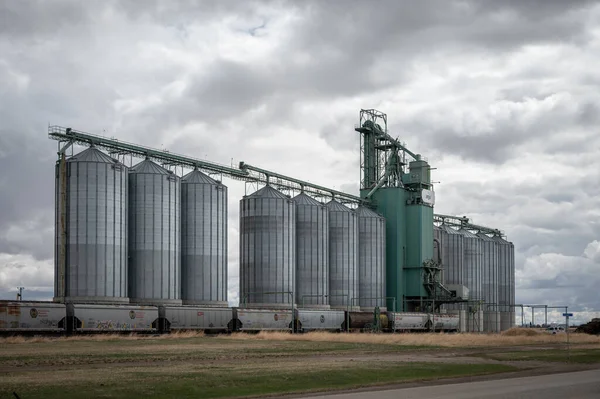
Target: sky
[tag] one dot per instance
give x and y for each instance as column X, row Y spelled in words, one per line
column 501, row 97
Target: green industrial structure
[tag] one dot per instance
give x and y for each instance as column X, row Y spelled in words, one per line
column 397, row 183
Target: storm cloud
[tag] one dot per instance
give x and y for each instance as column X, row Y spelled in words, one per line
column 501, row 97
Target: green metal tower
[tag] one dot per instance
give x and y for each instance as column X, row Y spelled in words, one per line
column 403, row 194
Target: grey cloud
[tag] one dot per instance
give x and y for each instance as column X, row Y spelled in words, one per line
column 35, row 237
column 430, row 25
column 589, row 114
column 350, row 188
column 569, row 277
column 187, row 12
column 487, row 148
column 40, row 20
column 27, row 182
column 523, row 126
column 232, row 83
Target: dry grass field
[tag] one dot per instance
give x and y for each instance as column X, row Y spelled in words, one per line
column 511, row 337
column 240, row 365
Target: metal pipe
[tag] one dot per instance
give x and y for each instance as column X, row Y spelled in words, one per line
column 62, row 226
column 567, row 331
column 383, row 179
column 433, row 312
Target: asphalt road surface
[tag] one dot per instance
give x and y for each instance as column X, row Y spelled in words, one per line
column 580, row 385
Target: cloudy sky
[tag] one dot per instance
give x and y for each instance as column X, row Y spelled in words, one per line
column 503, row 98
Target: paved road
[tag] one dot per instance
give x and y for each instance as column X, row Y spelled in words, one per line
column 580, row 385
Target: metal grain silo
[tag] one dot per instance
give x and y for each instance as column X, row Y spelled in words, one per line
column 512, row 297
column 343, row 256
column 490, row 283
column 452, row 255
column 473, row 276
column 503, row 248
column 267, row 249
column 154, row 235
column 371, row 259
column 312, row 252
column 203, row 240
column 95, row 260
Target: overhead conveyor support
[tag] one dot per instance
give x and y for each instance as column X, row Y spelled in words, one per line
column 281, row 181
column 114, row 146
column 464, row 223
column 245, row 172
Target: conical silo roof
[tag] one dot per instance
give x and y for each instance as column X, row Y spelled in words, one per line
column 447, row 229
column 484, row 237
column 335, row 206
column 268, row 192
column 466, row 233
column 500, row 240
column 197, row 177
column 149, row 167
column 364, row 212
column 92, row 154
column 303, row 199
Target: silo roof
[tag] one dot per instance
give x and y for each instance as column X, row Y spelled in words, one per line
column 335, row 206
column 149, row 167
column 467, row 233
column 197, row 177
column 450, row 230
column 303, row 199
column 364, row 212
column 500, row 240
column 92, row 154
column 484, row 237
column 268, row 192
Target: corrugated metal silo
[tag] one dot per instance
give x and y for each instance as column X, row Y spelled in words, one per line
column 453, row 254
column 512, row 285
column 473, row 265
column 154, row 235
column 96, row 229
column 267, row 249
column 343, row 256
column 203, row 240
column 371, row 259
column 504, row 276
column 490, row 283
column 312, row 252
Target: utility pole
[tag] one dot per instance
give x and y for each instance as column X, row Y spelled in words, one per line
column 567, row 315
column 20, row 293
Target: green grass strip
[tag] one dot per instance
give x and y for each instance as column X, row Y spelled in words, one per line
column 221, row 382
column 584, row 356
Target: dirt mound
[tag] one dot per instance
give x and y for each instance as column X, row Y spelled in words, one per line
column 593, row 327
column 520, row 332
